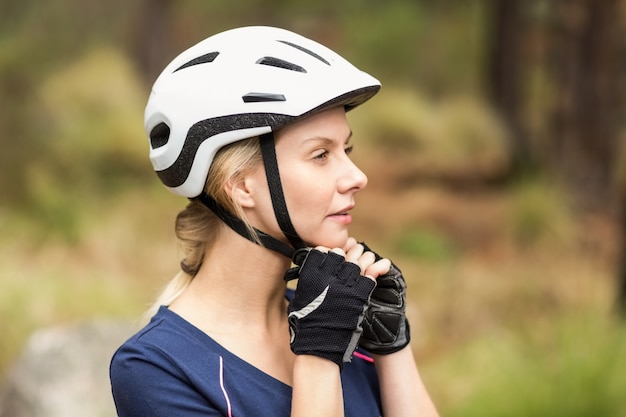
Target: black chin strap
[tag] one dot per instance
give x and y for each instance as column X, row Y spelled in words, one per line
column 268, row 151
column 239, row 226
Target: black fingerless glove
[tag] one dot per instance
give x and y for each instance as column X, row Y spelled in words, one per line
column 330, row 301
column 385, row 327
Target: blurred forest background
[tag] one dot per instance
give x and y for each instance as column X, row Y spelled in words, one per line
column 495, row 153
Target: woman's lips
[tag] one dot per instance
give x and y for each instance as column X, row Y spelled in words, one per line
column 343, row 216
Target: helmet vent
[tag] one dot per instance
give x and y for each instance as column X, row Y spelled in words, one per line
column 159, row 135
column 308, row 51
column 204, row 59
column 262, row 97
column 279, row 63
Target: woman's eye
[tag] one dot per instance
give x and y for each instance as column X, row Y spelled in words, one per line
column 321, row 155
column 348, row 150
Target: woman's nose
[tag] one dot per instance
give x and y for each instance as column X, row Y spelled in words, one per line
column 353, row 179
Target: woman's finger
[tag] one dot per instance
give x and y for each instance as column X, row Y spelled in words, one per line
column 350, row 244
column 365, row 261
column 354, row 253
column 378, row 268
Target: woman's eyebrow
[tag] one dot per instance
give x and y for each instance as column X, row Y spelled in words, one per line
column 326, row 140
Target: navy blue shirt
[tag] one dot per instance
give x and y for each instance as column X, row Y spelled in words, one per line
column 171, row 368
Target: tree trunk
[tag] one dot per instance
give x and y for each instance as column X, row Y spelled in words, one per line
column 589, row 106
column 585, row 114
column 151, row 38
column 620, row 298
column 505, row 72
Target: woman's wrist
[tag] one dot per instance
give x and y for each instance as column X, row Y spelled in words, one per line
column 315, row 362
column 316, row 387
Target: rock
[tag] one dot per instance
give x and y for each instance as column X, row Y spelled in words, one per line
column 64, row 372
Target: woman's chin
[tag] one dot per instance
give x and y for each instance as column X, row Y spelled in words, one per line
column 331, row 243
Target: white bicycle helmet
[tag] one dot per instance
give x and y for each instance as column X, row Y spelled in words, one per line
column 239, row 84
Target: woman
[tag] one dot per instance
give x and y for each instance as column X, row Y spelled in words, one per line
column 250, row 125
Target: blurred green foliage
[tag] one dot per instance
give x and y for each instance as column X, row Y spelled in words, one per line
column 456, row 136
column 539, row 211
column 572, row 370
column 425, row 244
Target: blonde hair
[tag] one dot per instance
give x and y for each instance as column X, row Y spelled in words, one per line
column 197, row 227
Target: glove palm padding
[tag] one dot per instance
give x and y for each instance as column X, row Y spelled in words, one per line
column 328, row 308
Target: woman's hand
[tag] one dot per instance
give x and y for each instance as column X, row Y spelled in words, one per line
column 330, row 302
column 385, row 328
column 366, row 259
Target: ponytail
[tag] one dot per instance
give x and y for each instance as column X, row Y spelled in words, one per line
column 197, row 227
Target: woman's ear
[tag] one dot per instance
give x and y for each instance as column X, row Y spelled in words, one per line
column 240, row 191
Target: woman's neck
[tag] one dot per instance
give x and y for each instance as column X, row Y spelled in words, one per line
column 238, row 299
column 239, row 283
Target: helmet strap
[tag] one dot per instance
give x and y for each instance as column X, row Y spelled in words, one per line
column 242, row 229
column 268, row 151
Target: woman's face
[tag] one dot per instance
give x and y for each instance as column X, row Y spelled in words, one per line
column 319, row 179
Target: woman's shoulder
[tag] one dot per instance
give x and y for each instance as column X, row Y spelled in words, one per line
column 167, row 356
column 168, row 340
